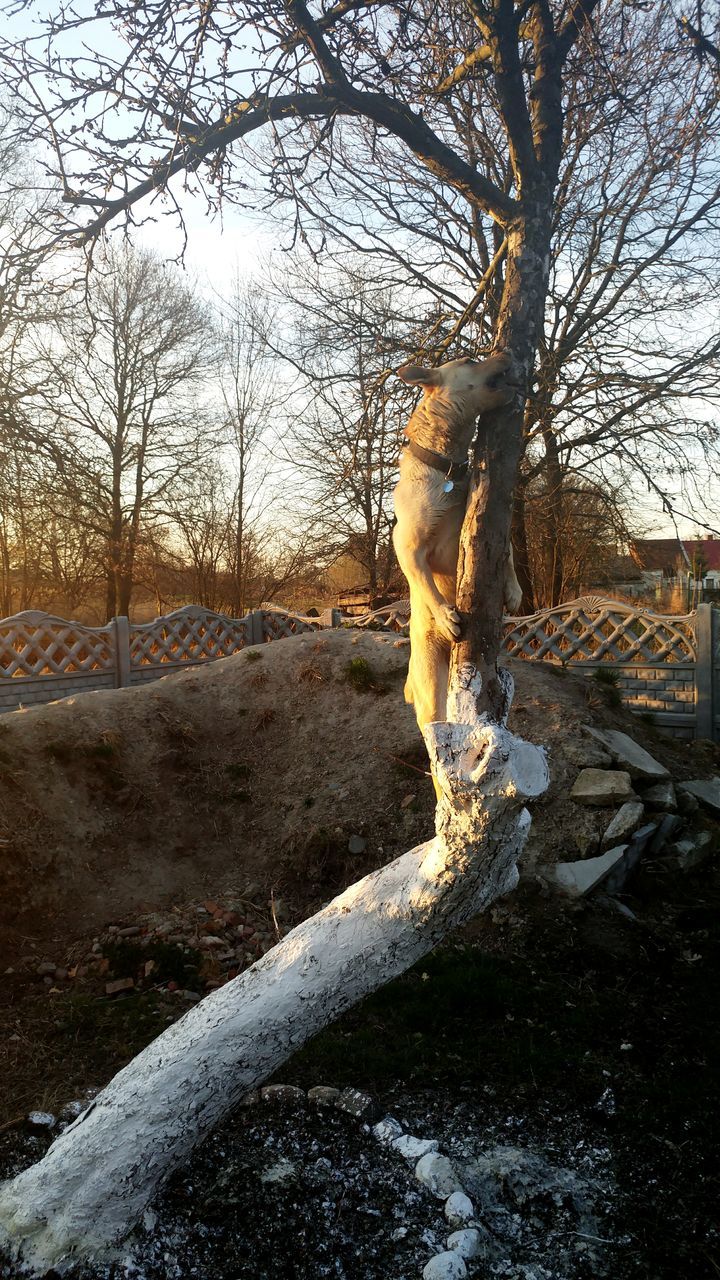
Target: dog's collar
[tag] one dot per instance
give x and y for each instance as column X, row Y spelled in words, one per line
column 455, row 471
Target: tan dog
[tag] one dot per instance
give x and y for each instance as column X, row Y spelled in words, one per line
column 430, row 501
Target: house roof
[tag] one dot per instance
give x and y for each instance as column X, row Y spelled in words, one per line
column 663, row 553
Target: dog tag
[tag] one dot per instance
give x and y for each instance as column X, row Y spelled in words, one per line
column 448, row 486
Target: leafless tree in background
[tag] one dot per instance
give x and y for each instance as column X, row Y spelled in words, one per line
column 251, row 397
column 342, row 334
column 124, row 410
column 588, row 545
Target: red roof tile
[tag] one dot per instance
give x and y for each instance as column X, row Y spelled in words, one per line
column 665, row 553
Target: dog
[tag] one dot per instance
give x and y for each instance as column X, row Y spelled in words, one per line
column 430, row 502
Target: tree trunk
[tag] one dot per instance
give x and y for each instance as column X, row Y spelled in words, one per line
column 520, row 549
column 99, row 1175
column 554, row 500
column 110, row 611
column 485, row 535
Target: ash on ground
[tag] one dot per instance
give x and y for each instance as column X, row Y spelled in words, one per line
column 304, row 1192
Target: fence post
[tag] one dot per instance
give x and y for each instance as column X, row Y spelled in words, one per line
column 121, row 628
column 331, row 618
column 256, row 631
column 704, row 691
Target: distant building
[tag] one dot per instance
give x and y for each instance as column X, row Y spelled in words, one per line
column 662, row 558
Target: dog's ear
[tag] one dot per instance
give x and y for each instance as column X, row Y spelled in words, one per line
column 416, row 376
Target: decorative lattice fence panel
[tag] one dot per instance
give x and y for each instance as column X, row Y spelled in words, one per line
column 191, row 634
column 38, row 644
column 665, row 666
column 594, row 630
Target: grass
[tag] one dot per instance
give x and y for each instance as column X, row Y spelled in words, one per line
column 361, row 676
column 606, row 676
column 608, row 679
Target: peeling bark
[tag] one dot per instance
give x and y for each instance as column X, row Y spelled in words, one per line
column 87, row 1193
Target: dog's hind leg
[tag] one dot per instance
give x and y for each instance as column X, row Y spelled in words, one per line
column 427, row 681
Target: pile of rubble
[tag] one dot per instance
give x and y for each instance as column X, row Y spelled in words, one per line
column 668, row 825
column 185, row 951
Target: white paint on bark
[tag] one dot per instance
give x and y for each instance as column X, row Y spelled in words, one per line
column 96, row 1180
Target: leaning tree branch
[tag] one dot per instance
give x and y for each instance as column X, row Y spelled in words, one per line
column 253, row 113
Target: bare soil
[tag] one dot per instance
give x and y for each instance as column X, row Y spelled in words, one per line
column 256, row 769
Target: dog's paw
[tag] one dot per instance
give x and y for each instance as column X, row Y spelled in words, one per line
column 513, row 597
column 447, row 621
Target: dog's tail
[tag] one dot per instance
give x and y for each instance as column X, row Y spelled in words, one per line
column 408, row 690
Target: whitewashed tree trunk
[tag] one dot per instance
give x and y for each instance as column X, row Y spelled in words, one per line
column 87, row 1193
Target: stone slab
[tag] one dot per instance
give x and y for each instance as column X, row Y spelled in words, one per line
column 688, row 855
column 602, row 787
column 667, row 828
column 623, row 824
column 628, row 753
column 579, row 878
column 661, row 796
column 706, row 790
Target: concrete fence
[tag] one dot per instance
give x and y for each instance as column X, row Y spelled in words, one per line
column 668, row 667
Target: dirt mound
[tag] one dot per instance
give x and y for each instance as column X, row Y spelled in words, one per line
column 257, row 769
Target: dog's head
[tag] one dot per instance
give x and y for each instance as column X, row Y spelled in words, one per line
column 476, row 385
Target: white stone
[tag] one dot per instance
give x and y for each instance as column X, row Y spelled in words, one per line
column 323, row 1095
column 438, row 1175
column 623, row 824
column 578, row 878
column 279, row 1172
column 445, row 1266
column 459, row 1209
column 282, row 1093
column 413, row 1148
column 630, row 755
column 41, row 1119
column 467, row 1243
column 602, row 787
column 387, row 1130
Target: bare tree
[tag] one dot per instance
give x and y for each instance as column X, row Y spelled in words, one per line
column 122, row 415
column 595, row 527
column 342, row 333
column 251, row 399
